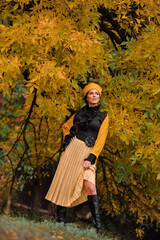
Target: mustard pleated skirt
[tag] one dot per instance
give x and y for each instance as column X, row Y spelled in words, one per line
column 67, row 186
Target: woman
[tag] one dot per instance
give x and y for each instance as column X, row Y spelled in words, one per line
column 84, row 137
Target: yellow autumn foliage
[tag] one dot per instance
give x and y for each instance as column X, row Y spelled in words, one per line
column 52, row 48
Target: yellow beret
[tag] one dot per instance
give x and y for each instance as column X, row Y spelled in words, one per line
column 91, row 86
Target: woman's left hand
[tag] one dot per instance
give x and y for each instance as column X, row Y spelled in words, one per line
column 86, row 164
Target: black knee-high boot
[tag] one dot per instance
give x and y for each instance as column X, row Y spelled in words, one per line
column 94, row 206
column 61, row 214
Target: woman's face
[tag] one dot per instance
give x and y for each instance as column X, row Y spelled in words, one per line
column 93, row 97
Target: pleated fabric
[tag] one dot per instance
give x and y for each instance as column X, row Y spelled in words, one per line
column 67, row 185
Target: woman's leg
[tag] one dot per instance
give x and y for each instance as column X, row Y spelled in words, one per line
column 61, row 214
column 90, row 188
column 93, row 203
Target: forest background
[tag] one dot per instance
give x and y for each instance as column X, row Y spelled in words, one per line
column 49, row 49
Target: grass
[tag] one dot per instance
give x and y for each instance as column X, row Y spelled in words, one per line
column 20, row 228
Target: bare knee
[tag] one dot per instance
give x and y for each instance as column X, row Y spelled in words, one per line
column 90, row 188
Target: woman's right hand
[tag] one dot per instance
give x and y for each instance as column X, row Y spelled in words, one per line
column 73, row 138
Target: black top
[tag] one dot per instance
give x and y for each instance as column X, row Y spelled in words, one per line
column 86, row 125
